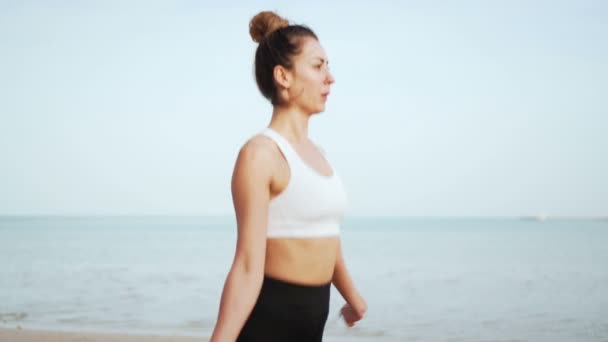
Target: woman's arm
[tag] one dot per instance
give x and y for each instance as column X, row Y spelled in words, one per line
column 250, row 194
column 356, row 306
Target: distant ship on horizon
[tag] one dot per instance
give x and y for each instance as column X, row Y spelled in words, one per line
column 539, row 217
column 543, row 217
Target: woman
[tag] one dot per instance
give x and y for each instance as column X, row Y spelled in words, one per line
column 289, row 202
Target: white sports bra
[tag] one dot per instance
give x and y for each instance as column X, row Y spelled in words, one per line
column 311, row 205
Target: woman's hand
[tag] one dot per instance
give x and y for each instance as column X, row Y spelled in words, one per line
column 353, row 314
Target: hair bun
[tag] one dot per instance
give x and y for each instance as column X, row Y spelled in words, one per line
column 264, row 23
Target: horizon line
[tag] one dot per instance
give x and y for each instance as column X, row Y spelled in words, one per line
column 538, row 217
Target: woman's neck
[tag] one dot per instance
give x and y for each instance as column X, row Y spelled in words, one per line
column 291, row 122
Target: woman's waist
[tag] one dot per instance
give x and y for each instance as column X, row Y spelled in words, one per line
column 307, row 261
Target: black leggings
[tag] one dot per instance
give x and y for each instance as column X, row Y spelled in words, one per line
column 287, row 312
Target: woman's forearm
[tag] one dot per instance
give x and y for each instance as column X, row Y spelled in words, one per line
column 344, row 284
column 241, row 290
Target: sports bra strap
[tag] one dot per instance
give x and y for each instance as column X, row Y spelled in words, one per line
column 283, row 144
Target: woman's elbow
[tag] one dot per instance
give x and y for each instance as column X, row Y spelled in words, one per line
column 249, row 267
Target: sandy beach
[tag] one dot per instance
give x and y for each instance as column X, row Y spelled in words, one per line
column 36, row 335
column 30, row 335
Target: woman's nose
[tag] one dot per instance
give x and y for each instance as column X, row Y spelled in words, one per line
column 330, row 78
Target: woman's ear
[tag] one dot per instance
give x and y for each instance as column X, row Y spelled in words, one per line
column 282, row 77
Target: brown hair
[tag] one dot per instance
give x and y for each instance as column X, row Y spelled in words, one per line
column 278, row 43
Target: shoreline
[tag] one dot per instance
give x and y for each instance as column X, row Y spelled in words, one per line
column 34, row 335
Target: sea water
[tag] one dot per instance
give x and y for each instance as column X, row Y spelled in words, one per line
column 424, row 279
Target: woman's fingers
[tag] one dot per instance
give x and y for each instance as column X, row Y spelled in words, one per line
column 349, row 315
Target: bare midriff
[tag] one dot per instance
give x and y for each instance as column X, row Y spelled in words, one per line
column 305, row 261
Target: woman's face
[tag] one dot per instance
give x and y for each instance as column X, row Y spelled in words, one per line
column 311, row 77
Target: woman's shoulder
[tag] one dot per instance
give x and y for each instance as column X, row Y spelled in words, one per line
column 258, row 147
column 259, row 142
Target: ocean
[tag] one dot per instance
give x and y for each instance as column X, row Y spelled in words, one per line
column 425, row 279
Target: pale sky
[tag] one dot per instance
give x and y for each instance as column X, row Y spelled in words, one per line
column 460, row 108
